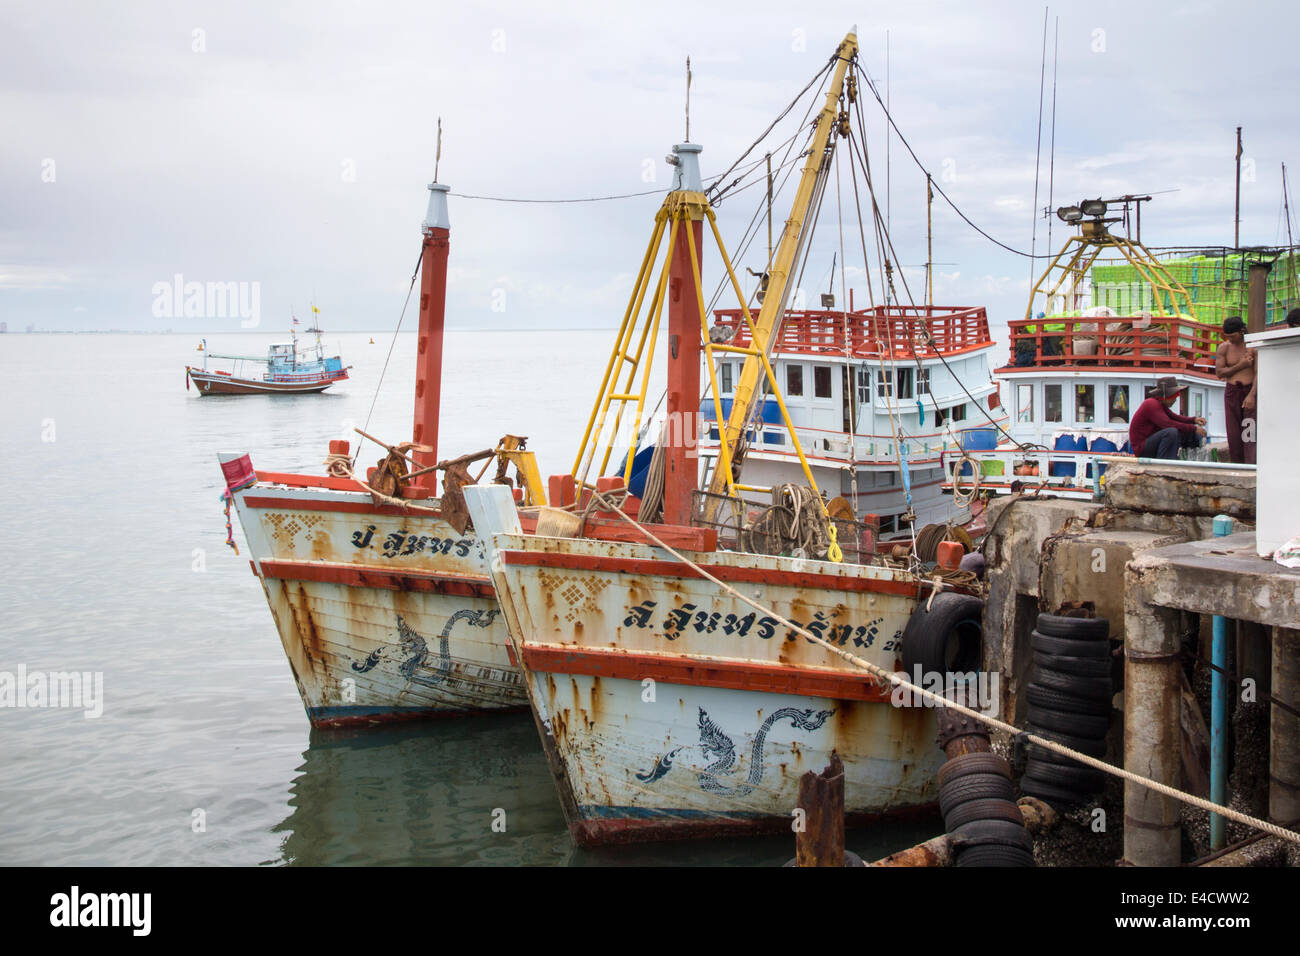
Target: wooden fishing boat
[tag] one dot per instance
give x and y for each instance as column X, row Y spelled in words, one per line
column 382, row 600
column 670, row 698
column 288, row 370
column 870, row 395
column 1077, row 369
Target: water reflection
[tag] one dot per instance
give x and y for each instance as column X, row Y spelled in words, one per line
column 426, row 795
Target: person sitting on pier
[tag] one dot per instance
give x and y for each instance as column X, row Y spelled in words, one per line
column 1157, row 432
column 1236, row 363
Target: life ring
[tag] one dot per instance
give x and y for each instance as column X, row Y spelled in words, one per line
column 945, row 636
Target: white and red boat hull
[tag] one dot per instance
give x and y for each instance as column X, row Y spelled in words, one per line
column 383, row 615
column 216, row 383
column 669, row 708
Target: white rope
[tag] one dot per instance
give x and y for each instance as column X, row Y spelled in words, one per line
column 963, row 499
column 938, row 701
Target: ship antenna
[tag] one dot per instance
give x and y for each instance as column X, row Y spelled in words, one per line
column 1038, row 152
column 437, row 155
column 688, row 99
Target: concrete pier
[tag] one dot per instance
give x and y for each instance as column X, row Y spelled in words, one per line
column 1216, row 576
column 1152, row 730
column 1284, row 728
column 1145, row 558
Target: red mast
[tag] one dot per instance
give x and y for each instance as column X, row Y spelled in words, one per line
column 681, row 460
column 433, row 301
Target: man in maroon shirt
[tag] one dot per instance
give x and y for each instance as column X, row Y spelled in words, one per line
column 1155, row 431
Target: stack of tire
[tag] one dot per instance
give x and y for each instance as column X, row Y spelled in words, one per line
column 984, row 825
column 1069, row 703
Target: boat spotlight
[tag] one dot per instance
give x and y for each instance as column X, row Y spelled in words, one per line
column 1070, row 213
column 1093, row 207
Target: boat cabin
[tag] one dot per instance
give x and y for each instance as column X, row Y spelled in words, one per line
column 870, row 392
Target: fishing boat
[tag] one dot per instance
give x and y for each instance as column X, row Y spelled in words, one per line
column 380, row 596
column 670, row 698
column 287, row 369
column 875, row 396
column 1078, row 367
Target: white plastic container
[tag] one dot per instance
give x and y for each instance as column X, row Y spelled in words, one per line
column 1277, row 494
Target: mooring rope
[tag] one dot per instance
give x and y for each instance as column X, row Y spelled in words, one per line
column 938, row 701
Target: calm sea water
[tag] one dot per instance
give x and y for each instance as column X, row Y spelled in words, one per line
column 119, row 565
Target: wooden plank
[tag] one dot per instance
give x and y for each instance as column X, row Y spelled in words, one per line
column 727, row 573
column 696, row 672
column 370, row 577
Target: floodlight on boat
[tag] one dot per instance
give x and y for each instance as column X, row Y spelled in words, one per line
column 1069, row 213
column 1093, row 207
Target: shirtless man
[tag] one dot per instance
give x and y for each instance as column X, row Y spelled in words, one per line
column 1236, row 363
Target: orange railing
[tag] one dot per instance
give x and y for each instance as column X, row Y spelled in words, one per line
column 1171, row 342
column 882, row 331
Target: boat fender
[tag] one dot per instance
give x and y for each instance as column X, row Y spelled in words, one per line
column 944, row 636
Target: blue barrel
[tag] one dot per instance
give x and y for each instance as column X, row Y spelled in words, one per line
column 979, row 439
column 1064, row 469
column 1102, row 446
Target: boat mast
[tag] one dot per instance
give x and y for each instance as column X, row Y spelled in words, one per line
column 681, row 464
column 433, row 300
column 778, row 288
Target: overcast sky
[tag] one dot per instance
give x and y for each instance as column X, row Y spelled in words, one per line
column 289, row 145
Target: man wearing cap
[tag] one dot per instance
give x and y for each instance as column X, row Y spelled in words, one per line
column 1157, row 432
column 1236, row 363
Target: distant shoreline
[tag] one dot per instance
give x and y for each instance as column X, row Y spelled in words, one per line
column 202, row 332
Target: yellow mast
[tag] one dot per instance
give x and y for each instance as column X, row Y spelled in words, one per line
column 773, row 308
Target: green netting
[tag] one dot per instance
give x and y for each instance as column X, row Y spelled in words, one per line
column 1218, row 286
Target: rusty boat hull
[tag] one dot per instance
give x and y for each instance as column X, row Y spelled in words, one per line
column 384, row 614
column 669, row 709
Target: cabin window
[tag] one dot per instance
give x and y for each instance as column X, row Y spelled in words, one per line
column 794, row 380
column 1025, row 403
column 941, row 416
column 904, row 383
column 1198, row 404
column 885, row 384
column 1118, row 401
column 958, row 412
column 1053, row 407
column 1085, row 403
column 864, row 386
column 923, row 382
column 821, row 381
column 724, row 378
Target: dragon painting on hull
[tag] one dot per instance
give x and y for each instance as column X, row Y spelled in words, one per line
column 713, row 740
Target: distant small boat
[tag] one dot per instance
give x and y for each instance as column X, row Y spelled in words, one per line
column 287, row 370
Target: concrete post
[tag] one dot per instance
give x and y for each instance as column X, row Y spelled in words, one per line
column 1284, row 729
column 1152, row 741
